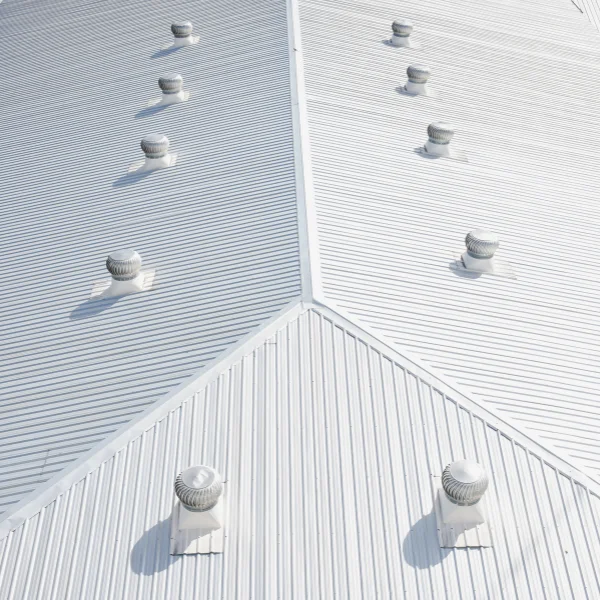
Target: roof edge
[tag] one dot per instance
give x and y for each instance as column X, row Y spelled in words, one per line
column 307, row 217
column 62, row 481
column 538, row 446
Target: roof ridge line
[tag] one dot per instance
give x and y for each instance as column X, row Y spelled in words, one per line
column 503, row 423
column 310, row 268
column 107, row 448
column 51, row 489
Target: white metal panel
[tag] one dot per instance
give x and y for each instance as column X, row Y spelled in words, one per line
column 591, row 9
column 220, row 228
column 328, row 447
column 519, row 80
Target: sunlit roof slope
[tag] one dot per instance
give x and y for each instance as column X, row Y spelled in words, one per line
column 591, row 9
column 519, row 80
column 219, row 228
column 328, row 442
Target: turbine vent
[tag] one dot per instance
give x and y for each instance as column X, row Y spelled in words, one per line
column 182, row 33
column 440, row 134
column 401, row 28
column 124, row 265
column 182, row 29
column 155, row 146
column 418, row 76
column 464, row 482
column 199, row 488
column 198, row 518
column 481, row 247
column 482, row 244
column 418, row 73
column 171, row 83
column 171, row 86
column 460, row 510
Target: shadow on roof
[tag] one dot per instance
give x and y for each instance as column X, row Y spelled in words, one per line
column 131, row 178
column 150, row 554
column 420, row 547
column 150, row 110
column 420, row 152
column 91, row 308
column 166, row 51
column 462, row 273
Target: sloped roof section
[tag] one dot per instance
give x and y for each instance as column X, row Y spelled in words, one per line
column 328, row 442
column 219, row 228
column 591, row 9
column 516, row 79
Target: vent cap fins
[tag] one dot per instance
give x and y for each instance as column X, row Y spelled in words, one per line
column 171, row 83
column 171, row 86
column 479, row 257
column 440, row 134
column 461, row 507
column 418, row 76
column 464, row 482
column 482, row 244
column 124, row 265
column 418, row 73
column 182, row 29
column 182, row 32
column 402, row 29
column 156, row 148
column 199, row 488
column 155, row 145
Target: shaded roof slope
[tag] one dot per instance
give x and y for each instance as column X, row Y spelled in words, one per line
column 220, row 228
column 316, row 428
column 519, row 80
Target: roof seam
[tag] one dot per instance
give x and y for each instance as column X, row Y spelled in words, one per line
column 108, row 447
column 307, row 219
column 451, row 392
column 568, row 466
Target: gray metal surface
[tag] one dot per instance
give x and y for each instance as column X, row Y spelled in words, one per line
column 219, row 228
column 524, row 100
column 329, row 446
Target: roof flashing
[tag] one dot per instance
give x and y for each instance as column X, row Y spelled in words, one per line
column 460, row 526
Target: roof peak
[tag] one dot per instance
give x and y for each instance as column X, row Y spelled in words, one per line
column 451, row 391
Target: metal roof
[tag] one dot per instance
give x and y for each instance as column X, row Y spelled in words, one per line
column 519, row 81
column 302, row 252
column 220, row 228
column 591, row 9
column 328, row 441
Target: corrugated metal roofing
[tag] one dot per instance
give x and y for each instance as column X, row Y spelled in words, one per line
column 220, row 228
column 328, row 438
column 591, row 9
column 519, row 80
column 328, row 442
